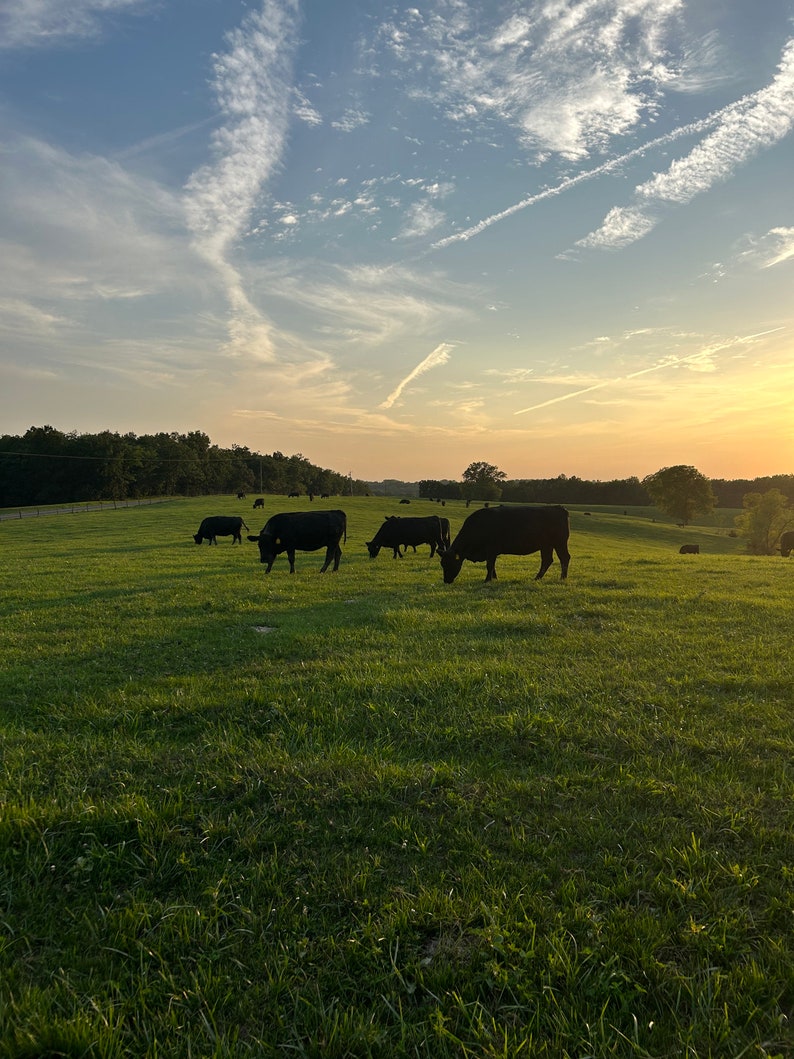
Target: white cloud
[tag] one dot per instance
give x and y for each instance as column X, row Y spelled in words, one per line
column 780, row 245
column 420, row 220
column 353, row 118
column 745, row 128
column 80, row 227
column 40, row 23
column 566, row 77
column 253, row 87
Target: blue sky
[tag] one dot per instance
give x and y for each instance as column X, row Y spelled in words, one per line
column 556, row 236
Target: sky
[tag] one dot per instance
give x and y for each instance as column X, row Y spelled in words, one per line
column 556, row 236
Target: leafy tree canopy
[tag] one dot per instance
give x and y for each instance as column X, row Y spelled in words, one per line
column 681, row 492
column 765, row 518
column 482, row 481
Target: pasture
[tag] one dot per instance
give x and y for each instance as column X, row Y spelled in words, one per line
column 370, row 814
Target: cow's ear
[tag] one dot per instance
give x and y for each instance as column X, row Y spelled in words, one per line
column 252, row 538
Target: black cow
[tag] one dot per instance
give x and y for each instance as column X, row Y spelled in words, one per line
column 404, row 501
column 259, row 502
column 304, row 531
column 241, row 496
column 293, row 493
column 220, row 526
column 408, row 532
column 689, row 549
column 491, row 532
column 787, row 543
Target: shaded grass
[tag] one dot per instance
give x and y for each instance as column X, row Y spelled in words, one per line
column 517, row 818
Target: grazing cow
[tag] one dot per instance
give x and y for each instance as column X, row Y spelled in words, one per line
column 259, row 502
column 293, row 493
column 491, row 532
column 404, row 501
column 408, row 532
column 324, row 496
column 787, row 543
column 689, row 549
column 304, row 531
column 220, row 526
column 241, row 496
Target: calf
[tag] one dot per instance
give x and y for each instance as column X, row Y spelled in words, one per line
column 220, row 526
column 396, row 532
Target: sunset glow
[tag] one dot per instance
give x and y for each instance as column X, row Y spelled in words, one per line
column 558, row 237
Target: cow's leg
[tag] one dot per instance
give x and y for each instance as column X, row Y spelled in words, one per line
column 432, row 549
column 565, row 557
column 329, row 554
column 546, row 559
column 337, row 557
column 490, row 568
column 291, row 557
column 269, row 566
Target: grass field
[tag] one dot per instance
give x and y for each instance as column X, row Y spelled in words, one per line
column 370, row 814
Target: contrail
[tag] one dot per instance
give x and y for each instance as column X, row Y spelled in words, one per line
column 692, row 129
column 440, row 355
column 668, row 362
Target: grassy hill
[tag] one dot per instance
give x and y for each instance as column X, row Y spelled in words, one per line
column 370, row 814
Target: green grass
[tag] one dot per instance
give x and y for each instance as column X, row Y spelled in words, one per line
column 517, row 819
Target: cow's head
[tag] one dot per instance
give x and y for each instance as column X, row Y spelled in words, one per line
column 197, row 538
column 267, row 546
column 451, row 563
column 373, row 549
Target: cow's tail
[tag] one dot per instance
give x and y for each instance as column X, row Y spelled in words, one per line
column 244, row 525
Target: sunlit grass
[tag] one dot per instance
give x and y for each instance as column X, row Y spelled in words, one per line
column 521, row 818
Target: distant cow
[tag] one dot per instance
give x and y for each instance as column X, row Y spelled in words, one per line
column 241, row 496
column 220, row 526
column 324, row 496
column 404, row 501
column 304, row 531
column 259, row 502
column 396, row 532
column 689, row 549
column 787, row 543
column 491, row 532
column 293, row 493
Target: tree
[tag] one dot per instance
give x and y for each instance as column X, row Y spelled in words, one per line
column 681, row 492
column 482, row 481
column 765, row 517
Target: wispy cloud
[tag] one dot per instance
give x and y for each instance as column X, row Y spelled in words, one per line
column 779, row 246
column 703, row 361
column 44, row 23
column 253, row 85
column 439, row 356
column 745, row 128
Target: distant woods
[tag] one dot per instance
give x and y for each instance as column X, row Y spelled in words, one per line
column 625, row 492
column 46, row 466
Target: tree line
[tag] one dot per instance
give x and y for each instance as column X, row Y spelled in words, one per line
column 482, row 481
column 47, row 466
